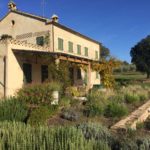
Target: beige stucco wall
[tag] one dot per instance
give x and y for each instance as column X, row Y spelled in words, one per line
column 23, row 25
column 68, row 36
column 95, row 80
column 15, row 72
column 92, row 47
column 1, row 76
column 14, row 68
column 2, row 54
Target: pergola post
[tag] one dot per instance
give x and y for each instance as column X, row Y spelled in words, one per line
column 89, row 76
column 57, row 62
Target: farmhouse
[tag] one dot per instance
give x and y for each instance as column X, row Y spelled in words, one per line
column 26, row 37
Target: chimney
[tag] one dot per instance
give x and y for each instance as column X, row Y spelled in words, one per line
column 55, row 18
column 12, row 6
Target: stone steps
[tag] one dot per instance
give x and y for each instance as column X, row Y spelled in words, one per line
column 138, row 116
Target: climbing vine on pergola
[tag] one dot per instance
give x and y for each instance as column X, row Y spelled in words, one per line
column 105, row 69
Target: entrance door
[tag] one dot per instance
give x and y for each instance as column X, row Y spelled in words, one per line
column 27, row 70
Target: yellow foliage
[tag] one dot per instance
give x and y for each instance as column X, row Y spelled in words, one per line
column 105, row 68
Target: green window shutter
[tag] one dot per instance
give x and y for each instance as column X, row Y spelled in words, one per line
column 40, row 40
column 97, row 75
column 86, row 51
column 96, row 54
column 70, row 47
column 79, row 49
column 60, row 44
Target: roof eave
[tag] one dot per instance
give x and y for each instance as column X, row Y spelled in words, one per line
column 72, row 31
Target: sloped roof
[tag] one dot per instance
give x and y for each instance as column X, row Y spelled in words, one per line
column 48, row 21
column 40, row 18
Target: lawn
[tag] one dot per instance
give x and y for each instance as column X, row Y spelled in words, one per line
column 130, row 76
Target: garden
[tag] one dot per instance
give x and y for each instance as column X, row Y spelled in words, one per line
column 29, row 120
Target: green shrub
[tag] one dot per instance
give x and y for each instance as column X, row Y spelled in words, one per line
column 65, row 102
column 118, row 98
column 95, row 131
column 101, row 145
column 13, row 109
column 98, row 95
column 139, row 125
column 115, row 109
column 96, row 103
column 72, row 91
column 132, row 98
column 92, row 110
column 70, row 115
column 136, row 143
column 38, row 93
column 147, row 124
column 135, row 93
column 143, row 143
column 143, row 97
column 40, row 115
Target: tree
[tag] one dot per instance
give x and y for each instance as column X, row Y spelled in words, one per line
column 140, row 54
column 105, row 52
column 125, row 63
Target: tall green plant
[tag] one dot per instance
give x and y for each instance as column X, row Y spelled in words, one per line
column 20, row 136
column 13, row 109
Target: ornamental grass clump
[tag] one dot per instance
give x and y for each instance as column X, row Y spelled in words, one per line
column 18, row 136
column 115, row 109
column 135, row 93
column 12, row 109
column 132, row 98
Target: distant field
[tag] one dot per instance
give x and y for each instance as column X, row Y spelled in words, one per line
column 130, row 76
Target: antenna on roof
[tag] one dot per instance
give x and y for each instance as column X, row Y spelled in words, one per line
column 43, row 3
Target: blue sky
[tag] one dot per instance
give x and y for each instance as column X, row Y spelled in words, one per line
column 118, row 24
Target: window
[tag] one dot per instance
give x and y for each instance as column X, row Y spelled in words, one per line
column 40, row 40
column 79, row 74
column 27, row 71
column 97, row 75
column 70, row 47
column 79, row 49
column 60, row 44
column 96, row 54
column 86, row 51
column 44, row 73
column 13, row 22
